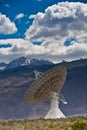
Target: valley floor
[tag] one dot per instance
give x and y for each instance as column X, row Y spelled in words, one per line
column 73, row 123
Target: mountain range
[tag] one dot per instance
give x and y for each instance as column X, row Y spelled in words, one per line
column 15, row 81
column 23, row 61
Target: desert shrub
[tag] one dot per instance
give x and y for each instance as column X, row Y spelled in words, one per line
column 51, row 125
column 79, row 126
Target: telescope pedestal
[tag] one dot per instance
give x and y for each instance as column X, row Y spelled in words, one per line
column 54, row 111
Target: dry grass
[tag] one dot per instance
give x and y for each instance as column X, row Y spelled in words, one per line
column 41, row 124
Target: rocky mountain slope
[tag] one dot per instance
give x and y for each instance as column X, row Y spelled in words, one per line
column 23, row 61
column 14, row 83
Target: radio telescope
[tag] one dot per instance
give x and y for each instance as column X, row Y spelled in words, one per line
column 48, row 87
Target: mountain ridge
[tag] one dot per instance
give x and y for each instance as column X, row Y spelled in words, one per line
column 24, row 61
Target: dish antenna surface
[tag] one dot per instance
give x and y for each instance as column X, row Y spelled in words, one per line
column 48, row 87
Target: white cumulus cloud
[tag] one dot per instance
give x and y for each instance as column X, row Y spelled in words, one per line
column 20, row 47
column 6, row 26
column 58, row 23
column 19, row 16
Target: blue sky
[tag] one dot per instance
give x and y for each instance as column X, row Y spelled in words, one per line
column 14, row 7
column 19, row 18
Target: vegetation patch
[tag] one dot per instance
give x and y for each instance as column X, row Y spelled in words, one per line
column 72, row 123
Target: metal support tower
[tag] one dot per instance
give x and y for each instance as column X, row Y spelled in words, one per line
column 54, row 111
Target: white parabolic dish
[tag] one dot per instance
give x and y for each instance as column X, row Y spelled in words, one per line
column 48, row 87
